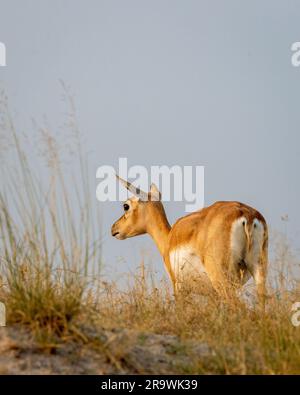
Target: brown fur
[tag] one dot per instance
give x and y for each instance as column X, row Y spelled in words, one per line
column 207, row 232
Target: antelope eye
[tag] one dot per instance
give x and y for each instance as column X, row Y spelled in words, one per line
column 126, row 207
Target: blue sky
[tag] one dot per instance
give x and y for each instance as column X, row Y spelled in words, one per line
column 168, row 82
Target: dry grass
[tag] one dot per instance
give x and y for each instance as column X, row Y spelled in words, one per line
column 50, row 262
column 242, row 339
column 50, row 256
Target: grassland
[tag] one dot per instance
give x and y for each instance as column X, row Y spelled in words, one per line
column 62, row 317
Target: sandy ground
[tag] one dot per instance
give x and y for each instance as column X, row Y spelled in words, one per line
column 122, row 351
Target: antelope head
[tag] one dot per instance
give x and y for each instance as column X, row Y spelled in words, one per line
column 138, row 211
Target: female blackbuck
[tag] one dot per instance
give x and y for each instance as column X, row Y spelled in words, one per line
column 226, row 242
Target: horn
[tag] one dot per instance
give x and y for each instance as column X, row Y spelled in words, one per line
column 131, row 188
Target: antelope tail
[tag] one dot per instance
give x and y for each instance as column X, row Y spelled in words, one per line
column 247, row 228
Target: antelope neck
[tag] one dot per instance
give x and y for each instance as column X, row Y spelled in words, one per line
column 158, row 227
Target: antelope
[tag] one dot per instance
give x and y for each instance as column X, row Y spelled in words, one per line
column 227, row 242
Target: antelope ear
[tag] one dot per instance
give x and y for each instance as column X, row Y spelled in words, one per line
column 154, row 193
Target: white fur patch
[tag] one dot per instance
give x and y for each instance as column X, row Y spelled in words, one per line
column 185, row 263
column 238, row 239
column 239, row 242
column 257, row 232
